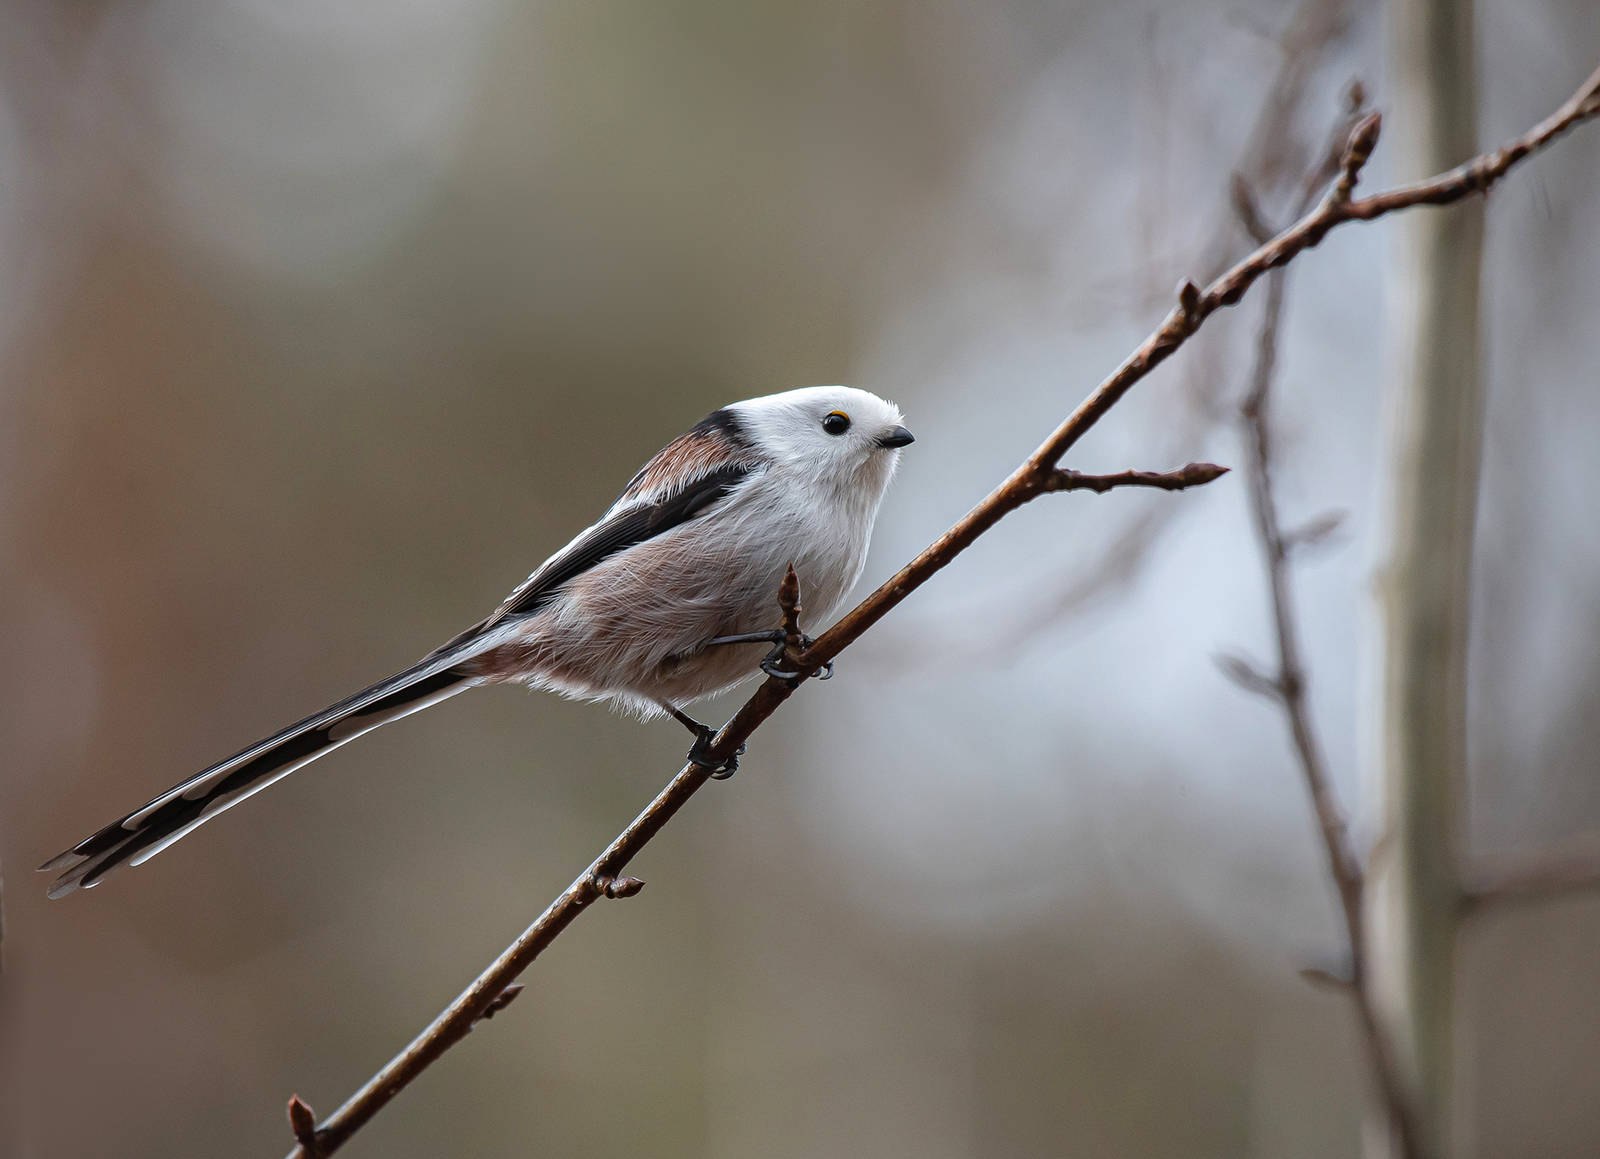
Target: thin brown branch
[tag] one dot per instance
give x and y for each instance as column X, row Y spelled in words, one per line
column 1192, row 475
column 1287, row 685
column 1027, row 482
column 1535, row 879
column 509, row 995
column 1270, row 160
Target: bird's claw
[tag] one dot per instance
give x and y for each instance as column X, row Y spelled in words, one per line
column 699, row 754
column 771, row 664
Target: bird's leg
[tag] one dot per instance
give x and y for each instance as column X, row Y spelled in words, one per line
column 780, row 642
column 704, row 734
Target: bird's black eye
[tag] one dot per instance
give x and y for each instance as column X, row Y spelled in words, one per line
column 836, row 422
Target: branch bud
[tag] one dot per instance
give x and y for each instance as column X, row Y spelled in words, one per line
column 1189, row 302
column 303, row 1122
column 1357, row 150
column 623, row 887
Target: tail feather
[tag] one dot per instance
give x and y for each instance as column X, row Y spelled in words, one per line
column 152, row 827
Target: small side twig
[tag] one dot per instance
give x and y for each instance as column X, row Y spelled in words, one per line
column 1316, row 530
column 1269, row 161
column 1539, row 878
column 1249, row 676
column 1338, row 981
column 794, row 640
column 1192, row 475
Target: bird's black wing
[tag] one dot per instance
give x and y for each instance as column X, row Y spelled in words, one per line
column 630, row 526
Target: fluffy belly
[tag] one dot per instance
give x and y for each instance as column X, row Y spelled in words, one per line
column 638, row 636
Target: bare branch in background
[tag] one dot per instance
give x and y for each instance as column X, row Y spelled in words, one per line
column 1287, row 684
column 1273, row 163
column 1030, row 480
column 1338, row 981
column 1248, row 675
column 1313, row 532
column 1549, row 875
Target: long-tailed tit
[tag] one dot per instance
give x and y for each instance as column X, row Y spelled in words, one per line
column 663, row 601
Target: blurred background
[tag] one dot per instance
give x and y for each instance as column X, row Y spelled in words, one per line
column 320, row 325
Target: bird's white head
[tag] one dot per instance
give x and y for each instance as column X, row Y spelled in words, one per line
column 832, row 433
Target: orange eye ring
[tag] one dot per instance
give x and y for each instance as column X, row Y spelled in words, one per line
column 836, row 422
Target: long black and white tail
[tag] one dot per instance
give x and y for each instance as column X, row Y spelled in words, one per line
column 151, row 828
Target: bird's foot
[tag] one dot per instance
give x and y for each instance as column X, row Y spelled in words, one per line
column 699, row 754
column 773, row 663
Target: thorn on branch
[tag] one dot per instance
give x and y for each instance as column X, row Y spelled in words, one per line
column 1357, row 151
column 618, row 887
column 501, row 1000
column 303, row 1122
column 1248, row 677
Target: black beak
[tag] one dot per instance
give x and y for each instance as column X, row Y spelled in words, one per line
column 898, row 437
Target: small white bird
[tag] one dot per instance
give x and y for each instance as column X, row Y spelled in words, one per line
column 659, row 603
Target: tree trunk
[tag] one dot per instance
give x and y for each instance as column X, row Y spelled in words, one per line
column 1436, row 410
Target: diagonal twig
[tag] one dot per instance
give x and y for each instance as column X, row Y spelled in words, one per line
column 1270, row 160
column 1026, row 483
